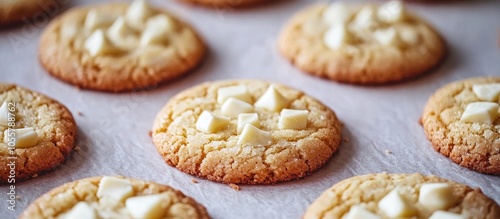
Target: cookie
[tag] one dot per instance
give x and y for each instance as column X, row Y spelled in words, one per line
column 462, row 121
column 361, row 44
column 37, row 133
column 114, row 197
column 225, row 3
column 118, row 47
column 13, row 11
column 402, row 196
column 246, row 132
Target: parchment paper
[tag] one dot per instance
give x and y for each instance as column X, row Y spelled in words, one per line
column 113, row 128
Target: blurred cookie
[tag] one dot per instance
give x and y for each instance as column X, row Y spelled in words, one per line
column 363, row 44
column 114, row 197
column 225, row 3
column 119, row 47
column 383, row 195
column 13, row 11
column 37, row 133
column 462, row 121
column 246, row 131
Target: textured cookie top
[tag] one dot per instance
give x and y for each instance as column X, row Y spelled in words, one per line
column 141, row 199
column 475, row 145
column 361, row 43
column 222, row 155
column 367, row 191
column 54, row 126
column 119, row 46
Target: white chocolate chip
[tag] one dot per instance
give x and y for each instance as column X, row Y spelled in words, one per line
column 119, row 33
column 96, row 19
column 272, row 100
column 239, row 92
column 293, row 119
column 247, row 118
column 358, row 212
column 81, row 210
column 252, row 135
column 436, row 196
column 147, row 206
column 487, row 92
column 395, row 206
column 157, row 30
column 446, row 215
column 387, row 37
column 115, row 188
column 232, row 107
column 98, row 44
column 483, row 112
column 409, row 35
column 337, row 36
column 207, row 122
column 337, row 13
column 24, row 138
column 366, row 18
column 138, row 12
column 391, row 12
column 4, row 114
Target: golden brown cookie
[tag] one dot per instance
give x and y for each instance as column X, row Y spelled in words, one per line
column 472, row 144
column 361, row 44
column 114, row 197
column 369, row 196
column 203, row 132
column 119, row 47
column 37, row 133
column 225, row 3
column 13, row 11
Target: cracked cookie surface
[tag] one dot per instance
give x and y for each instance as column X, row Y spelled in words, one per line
column 218, row 157
column 60, row 200
column 365, row 61
column 54, row 125
column 368, row 190
column 472, row 145
column 62, row 52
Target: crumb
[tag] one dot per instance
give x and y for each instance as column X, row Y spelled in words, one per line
column 194, row 181
column 35, row 175
column 346, row 139
column 18, row 197
column 79, row 113
column 388, row 152
column 150, row 133
column 77, row 148
column 234, row 186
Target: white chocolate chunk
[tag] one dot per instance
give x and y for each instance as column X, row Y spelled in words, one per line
column 358, row 212
column 210, row 123
column 483, row 112
column 24, row 138
column 119, row 31
column 293, row 119
column 337, row 36
column 272, row 100
column 147, row 206
column 138, row 12
column 96, row 19
column 157, row 30
column 391, row 12
column 409, row 35
column 365, row 18
column 337, row 13
column 239, row 92
column 232, row 107
column 248, row 118
column 395, row 206
column 4, row 114
column 446, row 215
column 98, row 44
column 487, row 92
column 81, row 210
column 388, row 37
column 252, row 135
column 436, row 196
column 115, row 188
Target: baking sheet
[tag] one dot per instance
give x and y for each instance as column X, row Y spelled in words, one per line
column 113, row 128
